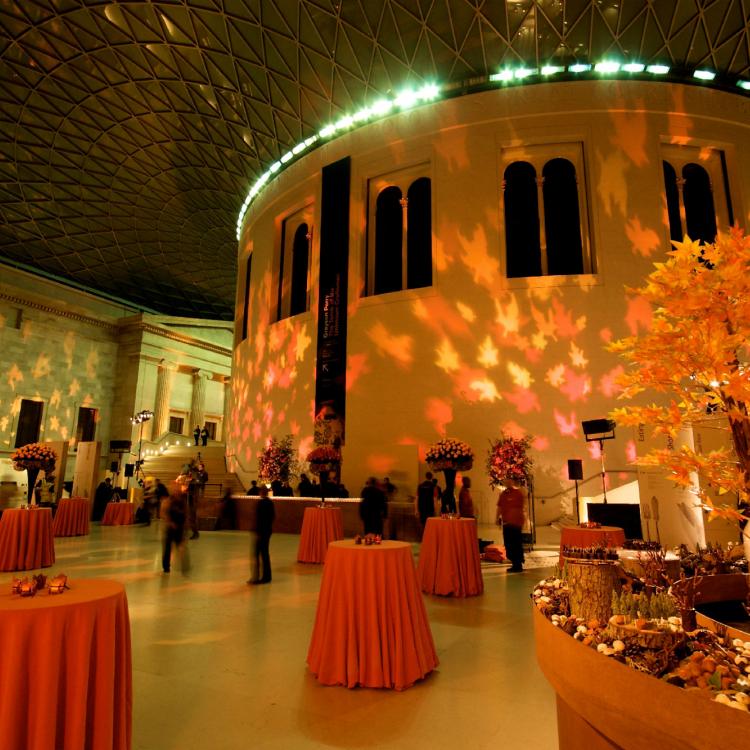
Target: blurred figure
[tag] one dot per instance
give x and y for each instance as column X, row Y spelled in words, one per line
column 197, row 433
column 327, row 488
column 252, row 490
column 276, row 486
column 227, row 518
column 286, row 489
column 389, row 488
column 372, row 507
column 102, row 496
column 161, row 493
column 425, row 499
column 260, row 540
column 175, row 516
column 465, row 501
column 343, row 492
column 305, row 488
column 204, row 436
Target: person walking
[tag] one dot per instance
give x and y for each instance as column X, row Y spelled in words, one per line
column 175, row 518
column 260, row 554
column 425, row 499
column 372, row 507
column 511, row 511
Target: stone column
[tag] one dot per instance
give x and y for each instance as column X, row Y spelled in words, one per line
column 198, row 402
column 164, row 379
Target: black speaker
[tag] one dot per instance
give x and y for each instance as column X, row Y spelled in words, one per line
column 129, row 468
column 575, row 468
column 114, row 466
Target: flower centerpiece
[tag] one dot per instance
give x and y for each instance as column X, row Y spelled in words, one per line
column 323, row 460
column 508, row 461
column 277, row 461
column 449, row 456
column 33, row 458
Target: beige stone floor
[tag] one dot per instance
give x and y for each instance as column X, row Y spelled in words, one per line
column 221, row 665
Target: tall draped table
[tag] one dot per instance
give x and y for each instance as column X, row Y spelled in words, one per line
column 26, row 539
column 371, row 627
column 118, row 514
column 65, row 669
column 449, row 562
column 72, row 517
column 580, row 536
column 319, row 527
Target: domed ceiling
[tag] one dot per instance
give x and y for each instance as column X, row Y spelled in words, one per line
column 131, row 131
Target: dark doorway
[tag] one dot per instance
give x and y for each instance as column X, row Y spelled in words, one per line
column 29, row 422
column 87, row 419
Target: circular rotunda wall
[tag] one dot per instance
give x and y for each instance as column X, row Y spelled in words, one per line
column 457, row 270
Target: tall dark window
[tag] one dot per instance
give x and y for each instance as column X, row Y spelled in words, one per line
column 696, row 186
column 562, row 223
column 29, row 422
column 400, row 234
column 300, row 265
column 293, row 295
column 177, row 424
column 246, row 299
column 523, row 252
column 86, row 428
column 700, row 214
column 389, row 224
column 543, row 208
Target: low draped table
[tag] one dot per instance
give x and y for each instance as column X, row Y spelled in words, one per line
column 118, row 514
column 580, row 536
column 371, row 627
column 65, row 669
column 319, row 527
column 449, row 562
column 72, row 517
column 26, row 539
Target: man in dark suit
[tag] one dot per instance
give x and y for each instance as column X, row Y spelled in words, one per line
column 260, row 556
column 426, row 499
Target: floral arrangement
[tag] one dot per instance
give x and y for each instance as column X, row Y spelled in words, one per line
column 508, row 459
column 277, row 461
column 450, row 453
column 34, row 456
column 324, row 458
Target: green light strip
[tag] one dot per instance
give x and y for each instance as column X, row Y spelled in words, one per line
column 413, row 97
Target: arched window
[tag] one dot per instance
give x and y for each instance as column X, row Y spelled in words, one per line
column 562, row 222
column 523, row 253
column 388, row 241
column 419, row 234
column 399, row 248
column 673, row 202
column 293, row 278
column 300, row 266
column 700, row 215
column 696, row 184
column 546, row 225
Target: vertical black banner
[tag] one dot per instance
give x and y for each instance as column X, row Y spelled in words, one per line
column 330, row 375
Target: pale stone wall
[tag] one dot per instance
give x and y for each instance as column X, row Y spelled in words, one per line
column 478, row 353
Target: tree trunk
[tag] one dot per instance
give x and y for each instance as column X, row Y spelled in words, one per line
column 591, row 583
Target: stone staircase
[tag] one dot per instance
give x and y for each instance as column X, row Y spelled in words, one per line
column 168, row 464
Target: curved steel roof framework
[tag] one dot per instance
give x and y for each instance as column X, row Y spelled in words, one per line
column 131, row 131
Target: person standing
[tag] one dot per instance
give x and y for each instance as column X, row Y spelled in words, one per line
column 253, row 489
column 305, row 488
column 197, row 433
column 511, row 510
column 260, row 554
column 372, row 507
column 102, row 496
column 425, row 499
column 175, row 517
column 204, row 436
column 465, row 501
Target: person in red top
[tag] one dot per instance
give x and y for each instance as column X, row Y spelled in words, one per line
column 511, row 511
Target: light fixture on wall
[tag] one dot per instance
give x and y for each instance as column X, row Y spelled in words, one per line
column 599, row 430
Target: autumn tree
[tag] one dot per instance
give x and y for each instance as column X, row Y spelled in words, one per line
column 696, row 354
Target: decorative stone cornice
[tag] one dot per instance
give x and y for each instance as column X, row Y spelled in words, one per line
column 167, row 334
column 23, row 302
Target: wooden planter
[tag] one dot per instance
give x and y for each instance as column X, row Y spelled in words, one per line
column 605, row 705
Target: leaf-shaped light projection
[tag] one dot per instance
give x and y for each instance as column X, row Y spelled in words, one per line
column 696, row 350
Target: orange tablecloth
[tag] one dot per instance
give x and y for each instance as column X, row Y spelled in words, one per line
column 65, row 672
column 449, row 558
column 371, row 627
column 118, row 514
column 72, row 517
column 26, row 540
column 605, row 536
column 319, row 527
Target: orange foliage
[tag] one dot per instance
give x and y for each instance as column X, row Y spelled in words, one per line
column 696, row 350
